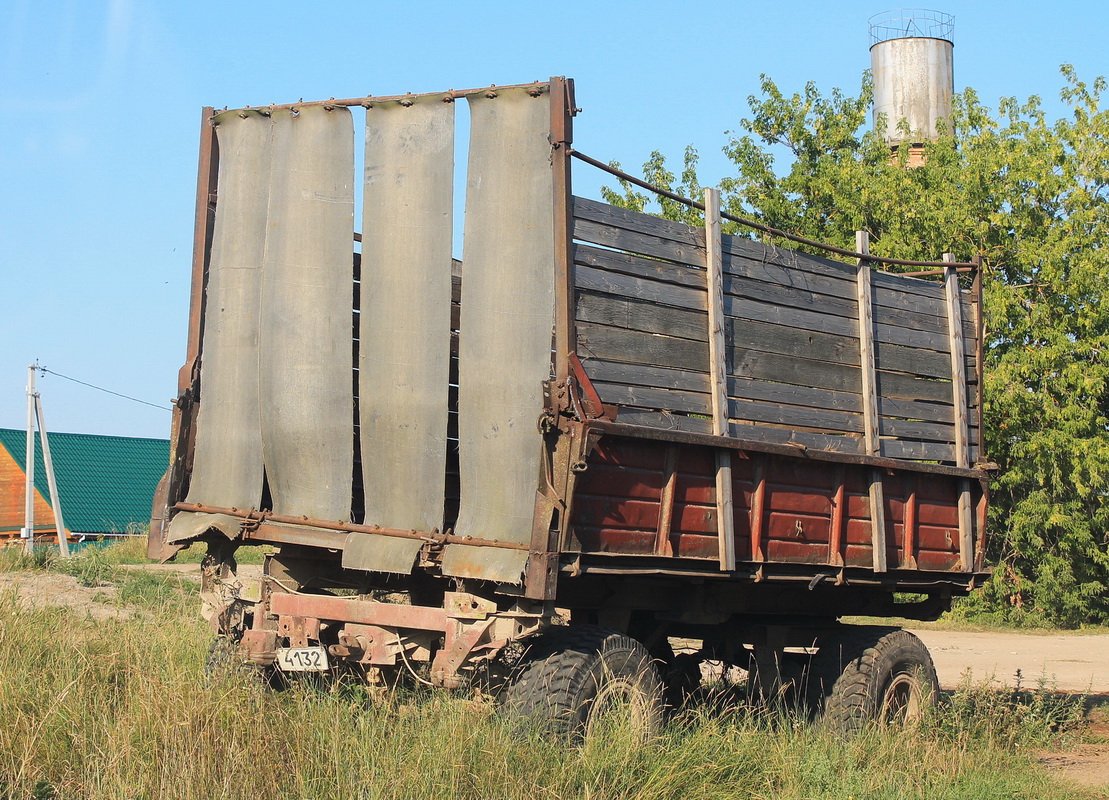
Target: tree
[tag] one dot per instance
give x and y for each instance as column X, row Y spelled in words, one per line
column 1030, row 197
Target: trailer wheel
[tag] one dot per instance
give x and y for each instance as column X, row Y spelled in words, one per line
column 579, row 681
column 882, row 675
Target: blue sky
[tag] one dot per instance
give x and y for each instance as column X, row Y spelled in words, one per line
column 101, row 112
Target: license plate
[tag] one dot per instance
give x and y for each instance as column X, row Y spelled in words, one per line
column 302, row 659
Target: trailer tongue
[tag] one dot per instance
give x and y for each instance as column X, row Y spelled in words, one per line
column 597, row 432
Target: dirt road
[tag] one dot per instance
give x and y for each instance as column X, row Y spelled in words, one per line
column 1063, row 662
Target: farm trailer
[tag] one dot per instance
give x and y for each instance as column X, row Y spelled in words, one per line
column 598, row 431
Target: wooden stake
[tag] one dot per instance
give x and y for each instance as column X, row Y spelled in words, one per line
column 714, row 264
column 959, row 399
column 870, row 401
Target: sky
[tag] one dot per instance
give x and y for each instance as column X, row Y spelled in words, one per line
column 100, row 113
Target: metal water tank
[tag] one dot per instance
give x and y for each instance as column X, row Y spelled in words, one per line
column 910, row 58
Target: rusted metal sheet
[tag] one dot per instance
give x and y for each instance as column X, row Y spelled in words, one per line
column 483, row 563
column 376, row 553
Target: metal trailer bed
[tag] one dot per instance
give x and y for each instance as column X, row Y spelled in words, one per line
column 728, row 440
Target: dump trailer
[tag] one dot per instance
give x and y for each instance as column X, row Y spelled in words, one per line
column 597, row 436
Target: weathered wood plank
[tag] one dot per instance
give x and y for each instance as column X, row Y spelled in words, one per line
column 777, row 334
column 783, row 256
column 799, row 416
column 769, row 391
column 630, row 264
column 620, row 274
column 787, row 340
column 747, row 362
column 644, row 244
column 618, row 344
column 745, row 308
column 870, row 401
column 718, row 379
column 640, row 315
column 797, row 297
column 649, row 397
column 916, row 451
column 638, row 222
column 891, row 448
column 890, row 288
column 837, row 290
column 694, row 278
column 598, row 280
column 652, row 397
column 959, row 399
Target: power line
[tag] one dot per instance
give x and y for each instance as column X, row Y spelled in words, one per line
column 108, row 391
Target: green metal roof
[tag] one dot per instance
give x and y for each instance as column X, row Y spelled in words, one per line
column 105, row 483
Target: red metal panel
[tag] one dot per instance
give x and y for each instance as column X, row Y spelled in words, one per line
column 616, row 540
column 691, row 518
column 932, row 561
column 945, row 539
column 690, row 545
column 941, row 515
column 609, row 481
column 798, row 528
column 618, row 512
column 796, row 552
column 807, row 512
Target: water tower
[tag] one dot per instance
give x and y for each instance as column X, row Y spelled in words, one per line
column 910, row 58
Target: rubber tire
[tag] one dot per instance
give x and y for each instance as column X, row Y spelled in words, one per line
column 872, row 675
column 567, row 678
column 224, row 660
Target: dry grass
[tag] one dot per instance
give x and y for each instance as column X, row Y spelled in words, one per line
column 121, row 709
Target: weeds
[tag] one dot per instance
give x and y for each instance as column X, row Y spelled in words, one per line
column 121, row 708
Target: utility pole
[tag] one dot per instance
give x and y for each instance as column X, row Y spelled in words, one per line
column 29, row 471
column 55, row 501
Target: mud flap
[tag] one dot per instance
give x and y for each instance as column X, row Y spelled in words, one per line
column 498, row 564
column 375, row 552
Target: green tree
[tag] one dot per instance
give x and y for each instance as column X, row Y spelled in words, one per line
column 1030, row 197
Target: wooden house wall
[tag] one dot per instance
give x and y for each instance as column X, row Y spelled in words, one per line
column 12, row 498
column 792, row 333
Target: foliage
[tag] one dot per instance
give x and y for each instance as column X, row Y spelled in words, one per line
column 1027, row 195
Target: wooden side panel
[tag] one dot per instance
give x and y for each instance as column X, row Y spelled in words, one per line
column 791, row 347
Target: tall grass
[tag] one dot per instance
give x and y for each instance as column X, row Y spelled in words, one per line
column 121, row 709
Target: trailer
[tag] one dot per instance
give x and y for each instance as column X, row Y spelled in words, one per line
column 596, row 433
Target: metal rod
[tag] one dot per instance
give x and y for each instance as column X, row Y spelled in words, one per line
column 350, row 527
column 758, row 225
column 29, row 465
column 48, row 462
column 448, row 96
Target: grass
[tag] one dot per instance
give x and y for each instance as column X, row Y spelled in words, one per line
column 121, row 709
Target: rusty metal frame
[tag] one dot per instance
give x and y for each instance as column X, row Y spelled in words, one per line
column 360, row 612
column 556, row 479
column 252, row 518
column 708, row 440
column 183, row 426
column 369, row 100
